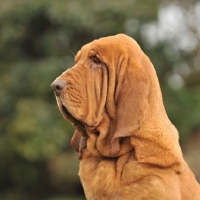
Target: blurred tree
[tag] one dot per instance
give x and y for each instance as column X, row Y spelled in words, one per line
column 38, row 40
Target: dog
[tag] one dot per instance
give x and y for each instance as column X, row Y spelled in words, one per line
column 127, row 146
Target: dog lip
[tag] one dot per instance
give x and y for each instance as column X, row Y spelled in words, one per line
column 64, row 109
column 57, row 94
column 66, row 112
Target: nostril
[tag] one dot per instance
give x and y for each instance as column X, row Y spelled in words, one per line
column 58, row 85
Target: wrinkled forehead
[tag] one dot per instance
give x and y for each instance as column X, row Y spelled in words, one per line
column 106, row 46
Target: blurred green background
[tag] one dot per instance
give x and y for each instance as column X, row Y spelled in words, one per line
column 38, row 40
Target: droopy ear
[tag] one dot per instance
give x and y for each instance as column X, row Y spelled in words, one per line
column 131, row 101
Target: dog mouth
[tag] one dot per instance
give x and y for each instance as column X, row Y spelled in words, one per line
column 67, row 114
column 69, row 117
column 65, row 111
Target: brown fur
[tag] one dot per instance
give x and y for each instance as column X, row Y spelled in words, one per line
column 128, row 148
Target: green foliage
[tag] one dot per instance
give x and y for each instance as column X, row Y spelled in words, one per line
column 183, row 109
column 34, row 130
column 38, row 40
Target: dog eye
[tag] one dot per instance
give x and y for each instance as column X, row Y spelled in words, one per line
column 96, row 60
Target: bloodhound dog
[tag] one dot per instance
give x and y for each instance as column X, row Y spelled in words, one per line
column 127, row 146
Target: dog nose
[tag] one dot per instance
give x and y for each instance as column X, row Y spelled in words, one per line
column 57, row 86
